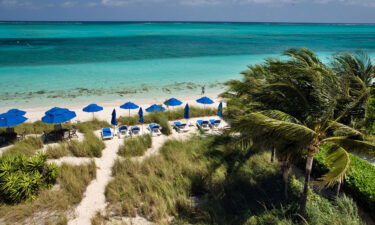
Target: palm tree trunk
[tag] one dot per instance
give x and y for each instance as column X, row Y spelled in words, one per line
column 338, row 187
column 309, row 163
column 273, row 153
column 285, row 169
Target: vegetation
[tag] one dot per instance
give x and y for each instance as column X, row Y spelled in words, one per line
column 92, row 125
column 296, row 105
column 135, row 146
column 21, row 178
column 359, row 181
column 27, row 147
column 54, row 204
column 91, row 146
column 214, row 181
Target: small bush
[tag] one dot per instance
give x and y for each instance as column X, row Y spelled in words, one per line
column 26, row 147
column 21, row 178
column 136, row 146
column 74, row 179
column 359, row 180
column 55, row 152
column 93, row 125
column 91, row 146
column 53, row 204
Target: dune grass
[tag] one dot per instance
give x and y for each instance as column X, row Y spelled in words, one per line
column 200, row 181
column 91, row 146
column 92, row 125
column 51, row 206
column 27, row 147
column 135, row 146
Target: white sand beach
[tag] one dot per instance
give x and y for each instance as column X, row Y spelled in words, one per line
column 36, row 113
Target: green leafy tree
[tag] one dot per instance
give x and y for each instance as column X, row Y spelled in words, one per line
column 294, row 106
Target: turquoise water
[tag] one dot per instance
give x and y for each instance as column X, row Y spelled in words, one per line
column 59, row 63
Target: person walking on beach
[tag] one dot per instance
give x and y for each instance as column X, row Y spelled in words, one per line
column 203, row 89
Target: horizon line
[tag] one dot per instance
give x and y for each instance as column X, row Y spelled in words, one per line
column 173, row 21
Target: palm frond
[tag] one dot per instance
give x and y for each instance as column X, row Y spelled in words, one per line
column 338, row 162
column 262, row 127
column 279, row 115
column 344, row 130
column 352, row 145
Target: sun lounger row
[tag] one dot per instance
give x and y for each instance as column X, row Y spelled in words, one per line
column 208, row 124
column 155, row 129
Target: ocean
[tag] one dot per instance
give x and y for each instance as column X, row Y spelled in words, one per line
column 56, row 64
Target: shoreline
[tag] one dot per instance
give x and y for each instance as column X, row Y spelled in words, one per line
column 36, row 113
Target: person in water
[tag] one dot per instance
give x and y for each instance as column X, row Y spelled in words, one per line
column 203, row 89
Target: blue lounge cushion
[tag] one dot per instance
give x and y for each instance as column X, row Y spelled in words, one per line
column 177, row 123
column 135, row 128
column 123, row 128
column 153, row 126
column 106, row 132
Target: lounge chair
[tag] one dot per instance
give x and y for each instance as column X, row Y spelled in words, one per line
column 107, row 133
column 134, row 130
column 203, row 124
column 179, row 127
column 154, row 128
column 123, row 131
column 73, row 132
column 215, row 124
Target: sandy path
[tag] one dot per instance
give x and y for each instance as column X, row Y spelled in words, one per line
column 94, row 198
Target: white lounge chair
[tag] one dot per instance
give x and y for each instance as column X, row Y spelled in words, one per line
column 107, row 134
column 203, row 124
column 215, row 124
column 123, row 131
column 154, row 129
column 134, row 130
column 179, row 127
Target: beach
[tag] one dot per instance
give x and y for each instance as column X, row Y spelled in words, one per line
column 36, row 113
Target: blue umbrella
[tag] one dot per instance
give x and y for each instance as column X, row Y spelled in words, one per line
column 114, row 120
column 155, row 108
column 187, row 111
column 58, row 115
column 129, row 105
column 10, row 120
column 205, row 101
column 173, row 102
column 92, row 108
column 17, row 112
column 220, row 110
column 140, row 114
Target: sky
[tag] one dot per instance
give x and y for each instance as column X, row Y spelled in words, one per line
column 315, row 11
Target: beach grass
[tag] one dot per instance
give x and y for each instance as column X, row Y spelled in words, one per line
column 92, row 125
column 58, row 151
column 135, row 146
column 200, row 181
column 91, row 146
column 51, row 206
column 27, row 147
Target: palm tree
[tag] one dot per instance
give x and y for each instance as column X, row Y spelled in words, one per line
column 281, row 133
column 356, row 71
column 301, row 96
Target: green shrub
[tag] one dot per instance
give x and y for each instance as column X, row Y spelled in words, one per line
column 52, row 206
column 26, row 147
column 93, row 125
column 21, row 178
column 135, row 146
column 91, row 146
column 55, row 152
column 359, row 181
column 162, row 120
